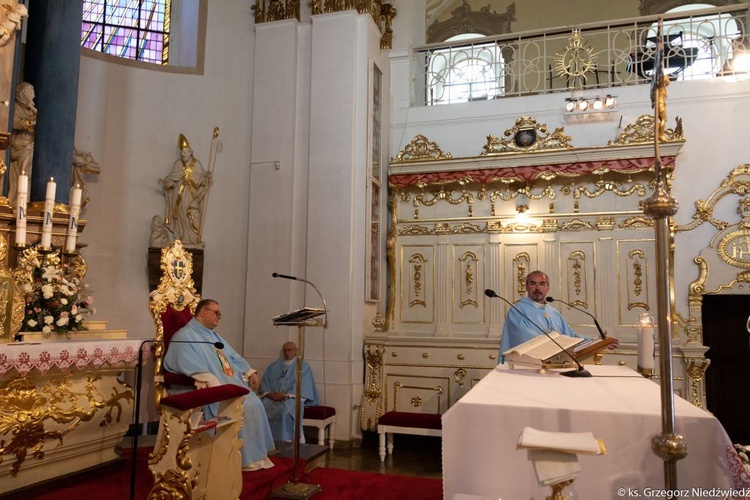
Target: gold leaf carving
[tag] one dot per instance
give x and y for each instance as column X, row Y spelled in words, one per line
column 525, row 136
column 643, row 131
column 420, row 148
column 26, row 410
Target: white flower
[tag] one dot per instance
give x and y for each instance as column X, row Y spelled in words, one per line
column 47, row 291
column 62, row 321
column 64, row 301
column 48, row 320
column 46, row 329
column 50, row 273
column 26, row 288
column 74, row 310
column 32, row 323
column 79, row 317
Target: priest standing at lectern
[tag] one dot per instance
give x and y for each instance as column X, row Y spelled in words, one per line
column 278, row 392
column 193, row 351
column 519, row 329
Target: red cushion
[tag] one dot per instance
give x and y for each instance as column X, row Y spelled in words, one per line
column 319, row 412
column 202, row 397
column 172, row 320
column 410, row 419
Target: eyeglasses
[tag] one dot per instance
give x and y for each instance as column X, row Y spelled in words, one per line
column 217, row 313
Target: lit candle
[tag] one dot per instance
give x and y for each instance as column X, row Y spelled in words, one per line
column 23, row 190
column 49, row 210
column 75, row 208
column 646, row 342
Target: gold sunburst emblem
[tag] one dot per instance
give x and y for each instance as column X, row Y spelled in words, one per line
column 575, row 61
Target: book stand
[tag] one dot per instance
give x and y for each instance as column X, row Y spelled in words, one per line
column 300, row 318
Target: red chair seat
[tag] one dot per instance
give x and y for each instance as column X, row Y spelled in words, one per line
column 319, row 412
column 202, row 397
column 410, row 419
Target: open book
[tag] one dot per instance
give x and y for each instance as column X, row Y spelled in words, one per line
column 298, row 316
column 540, row 350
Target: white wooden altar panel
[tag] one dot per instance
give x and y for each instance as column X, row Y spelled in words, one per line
column 636, row 281
column 576, row 282
column 520, row 257
column 418, row 268
column 468, row 271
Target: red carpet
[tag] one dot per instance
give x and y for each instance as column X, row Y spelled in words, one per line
column 112, row 482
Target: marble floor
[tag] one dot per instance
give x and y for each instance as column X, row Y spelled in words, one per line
column 418, row 456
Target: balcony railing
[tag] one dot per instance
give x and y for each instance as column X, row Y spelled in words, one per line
column 698, row 44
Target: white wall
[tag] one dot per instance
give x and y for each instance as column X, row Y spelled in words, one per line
column 130, row 119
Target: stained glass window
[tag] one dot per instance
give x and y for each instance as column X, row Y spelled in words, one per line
column 132, row 29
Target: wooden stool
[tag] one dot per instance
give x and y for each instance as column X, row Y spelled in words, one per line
column 403, row 422
column 321, row 417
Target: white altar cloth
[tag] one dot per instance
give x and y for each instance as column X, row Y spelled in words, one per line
column 21, row 358
column 481, row 430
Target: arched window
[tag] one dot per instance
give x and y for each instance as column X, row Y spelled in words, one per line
column 135, row 29
column 162, row 32
column 462, row 73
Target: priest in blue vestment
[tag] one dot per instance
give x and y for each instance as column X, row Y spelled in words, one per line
column 278, row 392
column 534, row 312
column 197, row 356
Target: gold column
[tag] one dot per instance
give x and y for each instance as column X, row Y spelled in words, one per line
column 669, row 446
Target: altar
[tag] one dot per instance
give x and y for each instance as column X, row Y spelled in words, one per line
column 480, row 432
column 63, row 406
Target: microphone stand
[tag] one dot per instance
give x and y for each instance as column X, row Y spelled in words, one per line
column 294, row 488
column 578, row 373
column 598, row 326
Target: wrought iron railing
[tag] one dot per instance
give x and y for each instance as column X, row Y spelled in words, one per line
column 698, row 44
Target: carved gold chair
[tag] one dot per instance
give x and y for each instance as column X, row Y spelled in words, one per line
column 193, row 458
column 171, row 305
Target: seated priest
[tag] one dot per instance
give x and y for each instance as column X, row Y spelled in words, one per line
column 194, row 351
column 533, row 313
column 278, row 390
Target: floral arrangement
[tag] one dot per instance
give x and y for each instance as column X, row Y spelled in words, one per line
column 55, row 301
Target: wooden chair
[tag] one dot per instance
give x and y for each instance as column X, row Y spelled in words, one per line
column 172, row 305
column 324, row 418
column 408, row 422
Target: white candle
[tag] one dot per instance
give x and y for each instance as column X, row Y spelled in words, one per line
column 646, row 342
column 49, row 210
column 75, row 209
column 23, row 190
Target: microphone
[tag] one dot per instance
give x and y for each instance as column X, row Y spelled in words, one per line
column 277, row 275
column 580, row 372
column 584, row 311
column 218, row 345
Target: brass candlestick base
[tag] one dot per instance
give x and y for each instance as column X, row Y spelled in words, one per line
column 296, row 490
column 557, row 490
